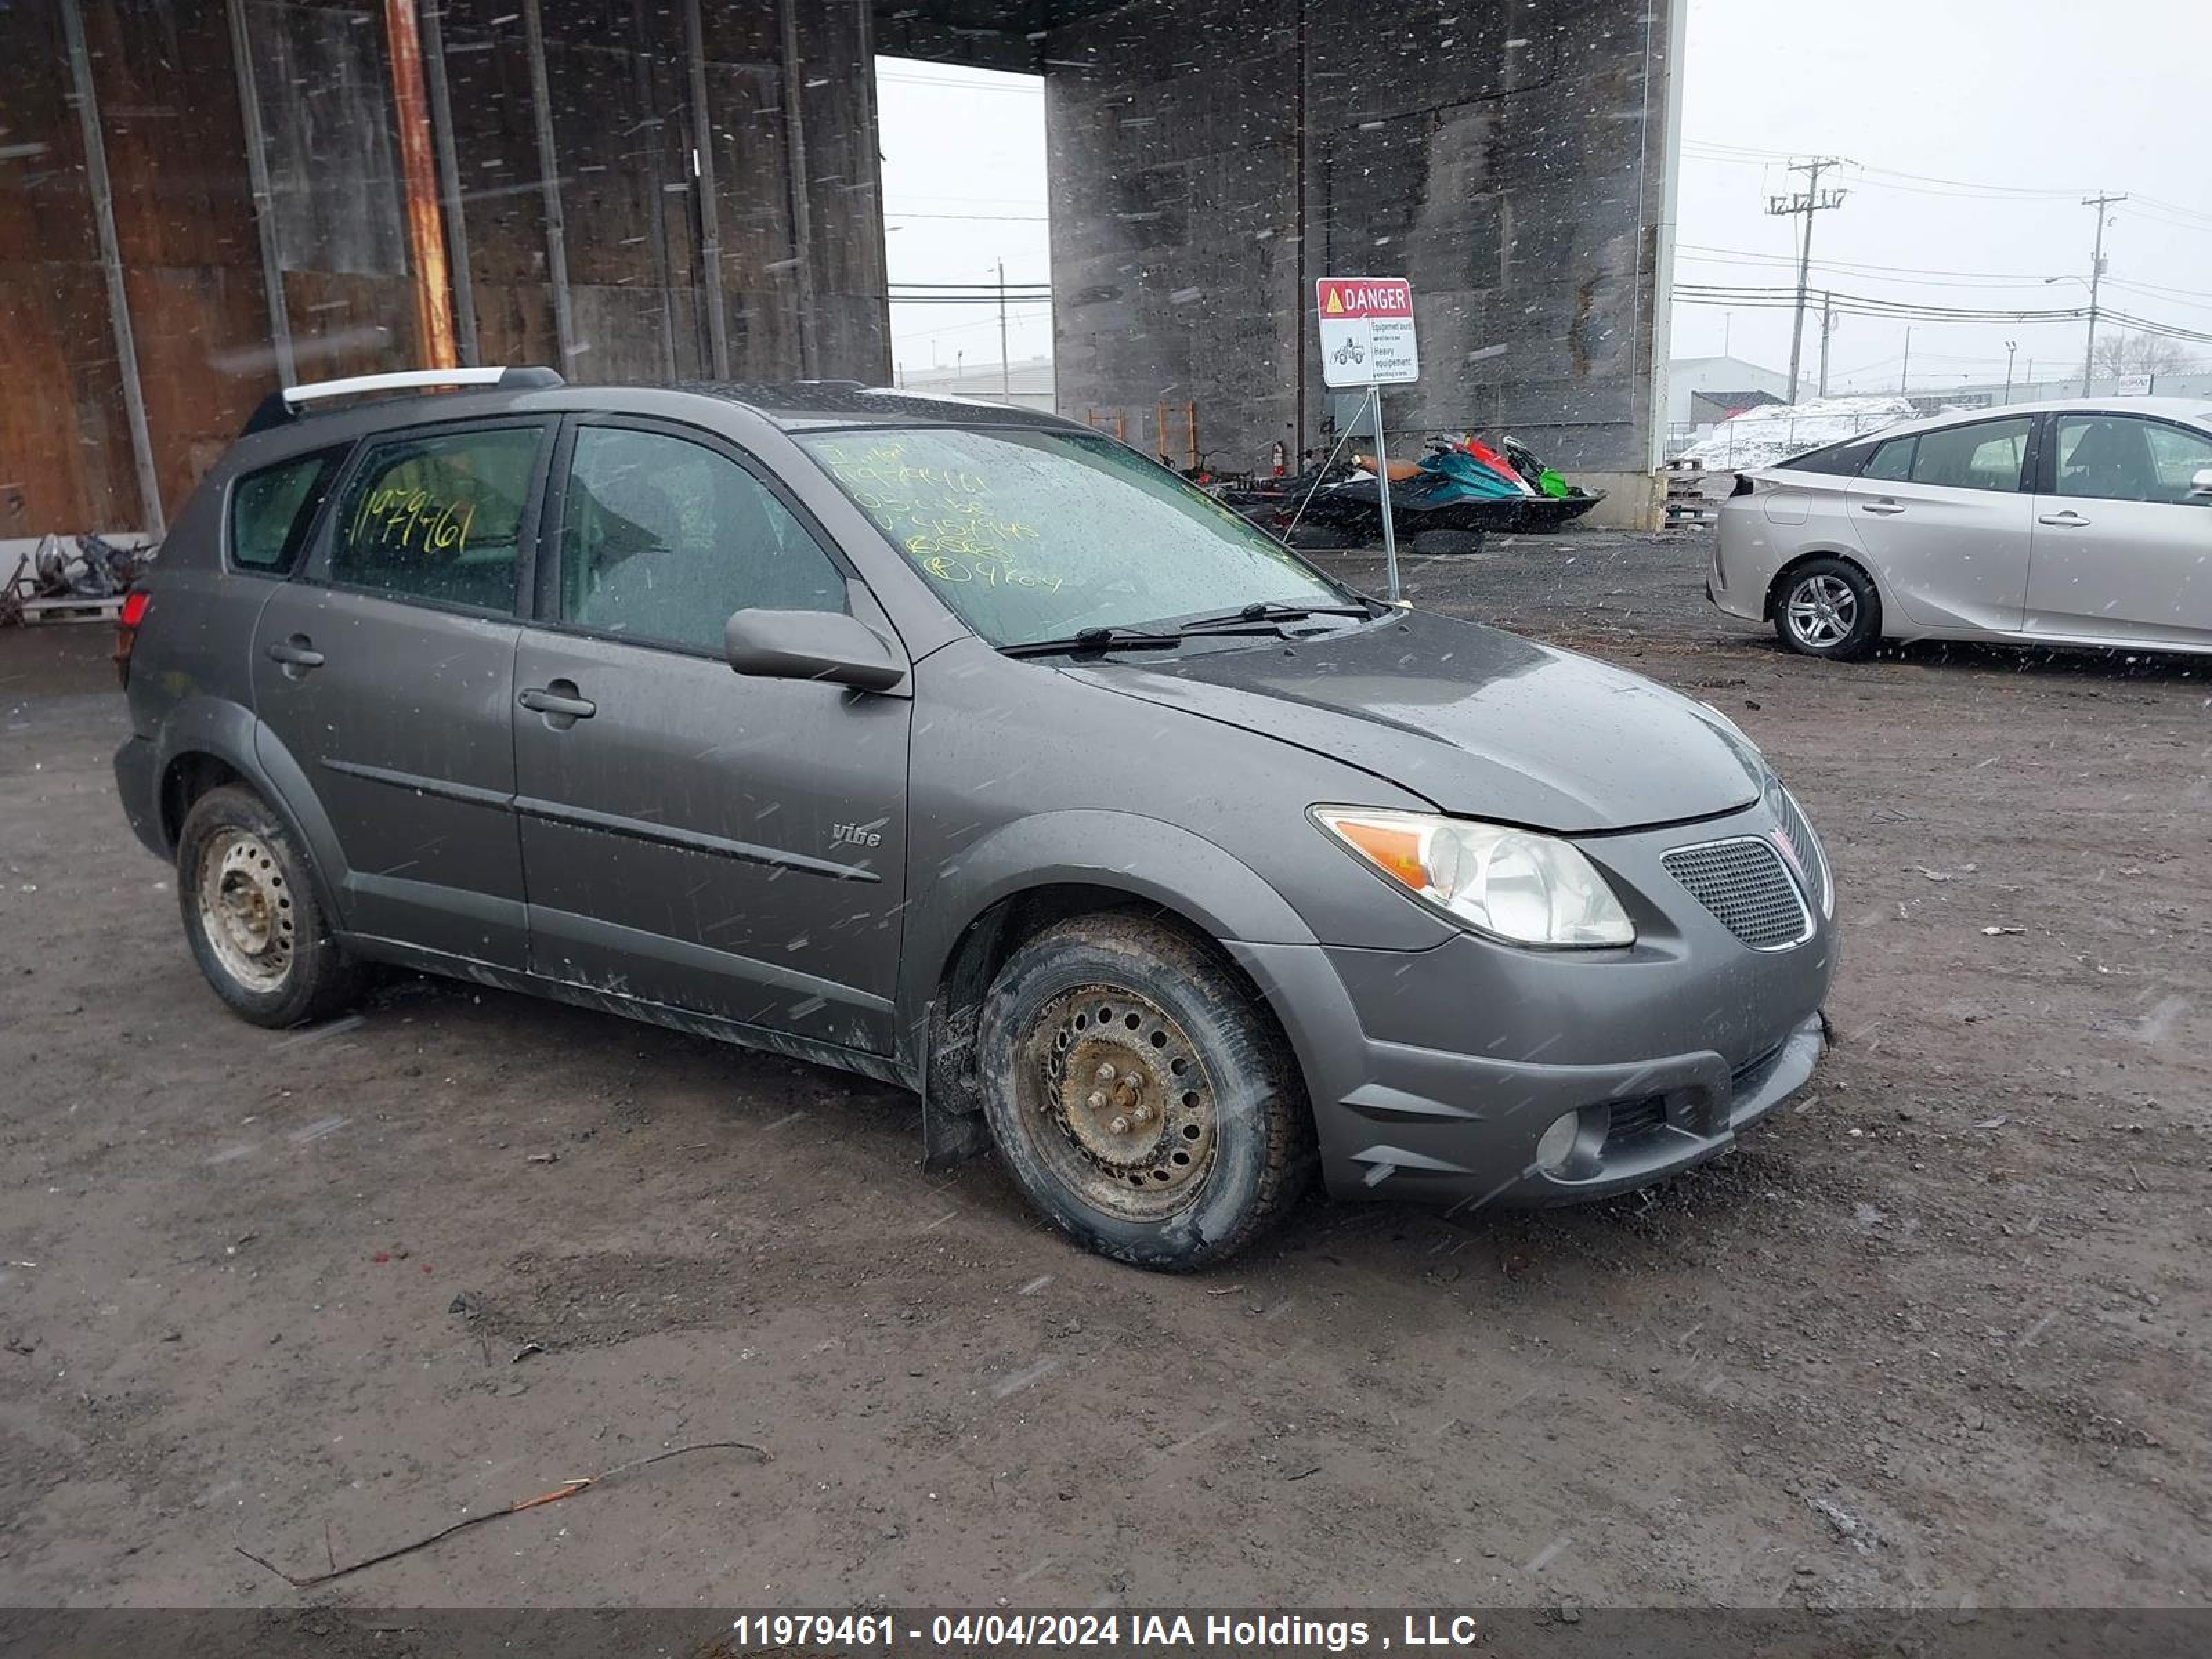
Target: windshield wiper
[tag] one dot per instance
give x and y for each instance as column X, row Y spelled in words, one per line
column 1094, row 639
column 1262, row 612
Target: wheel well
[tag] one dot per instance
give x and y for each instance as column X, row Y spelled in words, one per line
column 1774, row 587
column 189, row 777
column 953, row 1084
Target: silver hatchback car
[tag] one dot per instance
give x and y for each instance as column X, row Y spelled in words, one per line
column 2080, row 522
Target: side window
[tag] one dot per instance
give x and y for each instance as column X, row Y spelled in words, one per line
column 1986, row 455
column 2176, row 457
column 2121, row 458
column 272, row 510
column 438, row 517
column 1892, row 462
column 662, row 539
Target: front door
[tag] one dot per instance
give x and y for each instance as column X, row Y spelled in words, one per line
column 2123, row 547
column 384, row 680
column 727, row 845
column 1943, row 515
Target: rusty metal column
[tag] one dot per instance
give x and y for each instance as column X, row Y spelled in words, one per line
column 802, row 216
column 702, row 181
column 548, row 173
column 449, row 180
column 264, row 204
column 426, row 230
column 110, row 263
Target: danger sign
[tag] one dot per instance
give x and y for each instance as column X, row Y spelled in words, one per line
column 1366, row 330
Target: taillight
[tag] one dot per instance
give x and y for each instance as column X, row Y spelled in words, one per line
column 126, row 630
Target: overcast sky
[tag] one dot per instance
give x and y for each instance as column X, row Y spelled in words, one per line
column 1975, row 130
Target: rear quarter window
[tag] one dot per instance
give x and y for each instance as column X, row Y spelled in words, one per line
column 1840, row 460
column 272, row 510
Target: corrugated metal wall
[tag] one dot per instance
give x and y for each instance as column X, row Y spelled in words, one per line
column 621, row 130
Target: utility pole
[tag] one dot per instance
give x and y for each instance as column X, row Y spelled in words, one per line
column 1005, row 370
column 2011, row 346
column 1904, row 375
column 2100, row 201
column 1804, row 204
column 1827, row 327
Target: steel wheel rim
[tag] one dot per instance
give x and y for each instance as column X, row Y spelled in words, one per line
column 1117, row 1102
column 246, row 909
column 1821, row 611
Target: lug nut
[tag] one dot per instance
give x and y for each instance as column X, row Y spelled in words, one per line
column 1106, row 1073
column 1142, row 1114
column 1120, row 1126
column 1097, row 1103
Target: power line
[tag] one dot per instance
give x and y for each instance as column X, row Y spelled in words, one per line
column 1780, row 299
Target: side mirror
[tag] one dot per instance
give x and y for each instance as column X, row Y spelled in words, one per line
column 811, row 645
column 2200, row 487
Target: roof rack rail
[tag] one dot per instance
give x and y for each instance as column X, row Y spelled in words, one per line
column 279, row 408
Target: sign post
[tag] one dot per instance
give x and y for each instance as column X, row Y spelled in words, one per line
column 1367, row 339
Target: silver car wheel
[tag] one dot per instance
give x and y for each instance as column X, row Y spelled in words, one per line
column 1821, row 611
column 246, row 909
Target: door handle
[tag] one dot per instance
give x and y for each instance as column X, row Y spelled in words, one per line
column 297, row 654
column 2070, row 520
column 1885, row 508
column 558, row 702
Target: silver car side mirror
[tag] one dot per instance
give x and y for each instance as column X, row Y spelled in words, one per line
column 811, row 645
column 2200, row 487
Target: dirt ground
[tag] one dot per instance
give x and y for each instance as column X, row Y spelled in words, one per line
column 1937, row 1337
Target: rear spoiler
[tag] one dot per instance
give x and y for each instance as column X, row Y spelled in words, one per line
column 281, row 408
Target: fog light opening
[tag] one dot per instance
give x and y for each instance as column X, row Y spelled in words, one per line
column 1556, row 1143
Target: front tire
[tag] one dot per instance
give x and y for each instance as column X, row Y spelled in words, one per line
column 1826, row 607
column 251, row 914
column 1141, row 1096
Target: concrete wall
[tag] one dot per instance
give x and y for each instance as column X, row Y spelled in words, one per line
column 1208, row 161
column 196, row 278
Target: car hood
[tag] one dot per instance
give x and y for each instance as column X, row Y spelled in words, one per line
column 1480, row 722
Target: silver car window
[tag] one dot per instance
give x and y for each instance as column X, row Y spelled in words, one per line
column 2123, row 458
column 1986, row 455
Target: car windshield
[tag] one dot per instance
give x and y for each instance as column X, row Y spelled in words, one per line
column 1039, row 535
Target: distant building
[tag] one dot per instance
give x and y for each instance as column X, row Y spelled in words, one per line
column 1690, row 378
column 1991, row 394
column 1706, row 406
column 1026, row 382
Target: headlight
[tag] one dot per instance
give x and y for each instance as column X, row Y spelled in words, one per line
column 1513, row 885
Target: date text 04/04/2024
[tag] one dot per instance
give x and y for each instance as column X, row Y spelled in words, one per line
column 1167, row 1631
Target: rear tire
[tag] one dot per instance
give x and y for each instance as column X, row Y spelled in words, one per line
column 1141, row 1096
column 251, row 915
column 1826, row 607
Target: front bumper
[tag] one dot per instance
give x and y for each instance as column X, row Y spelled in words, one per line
column 1434, row 1074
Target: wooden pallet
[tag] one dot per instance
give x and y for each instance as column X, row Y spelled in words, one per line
column 70, row 610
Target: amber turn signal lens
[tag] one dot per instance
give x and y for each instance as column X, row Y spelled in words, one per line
column 1389, row 848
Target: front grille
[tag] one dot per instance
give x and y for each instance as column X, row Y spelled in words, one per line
column 1748, row 887
column 1798, row 831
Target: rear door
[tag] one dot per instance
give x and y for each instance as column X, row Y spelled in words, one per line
column 2123, row 549
column 1944, row 516
column 383, row 679
column 728, row 845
